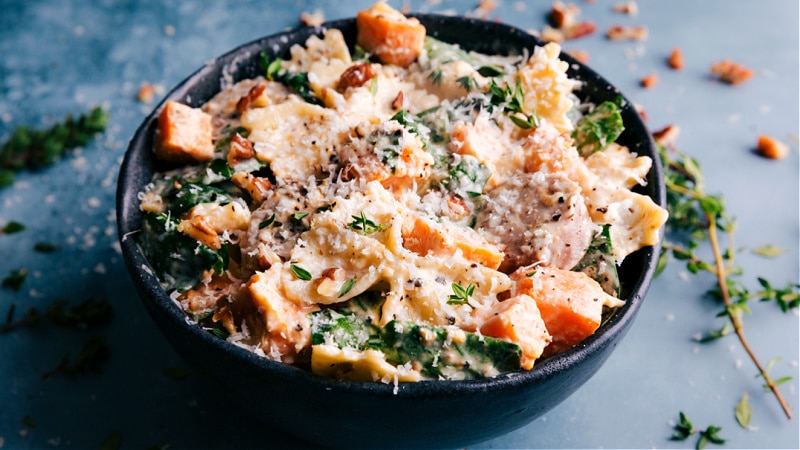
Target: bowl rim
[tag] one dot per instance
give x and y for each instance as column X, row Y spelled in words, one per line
column 158, row 301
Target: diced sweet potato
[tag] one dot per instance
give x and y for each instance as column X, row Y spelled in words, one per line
column 424, row 237
column 183, row 134
column 571, row 303
column 518, row 320
column 288, row 327
column 388, row 34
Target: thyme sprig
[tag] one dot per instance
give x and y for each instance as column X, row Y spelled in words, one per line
column 37, row 148
column 695, row 217
column 684, row 429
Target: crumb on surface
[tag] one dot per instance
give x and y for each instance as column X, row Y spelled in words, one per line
column 649, row 80
column 627, row 33
column 731, row 72
column 312, row 19
column 675, row 60
column 771, row 148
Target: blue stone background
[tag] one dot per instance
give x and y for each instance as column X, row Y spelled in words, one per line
column 59, row 57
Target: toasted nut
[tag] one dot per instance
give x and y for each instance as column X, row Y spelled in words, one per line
column 627, row 33
column 563, row 15
column 730, row 72
column 356, row 75
column 254, row 97
column 649, row 80
column 240, row 149
column 771, row 148
column 146, row 93
column 642, row 112
column 198, row 229
column 580, row 55
column 667, row 135
column 630, row 8
column 675, row 59
column 397, row 103
column 550, row 34
column 580, row 29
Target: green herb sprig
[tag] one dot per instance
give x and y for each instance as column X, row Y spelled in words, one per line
column 365, row 225
column 30, row 148
column 696, row 217
column 461, row 294
column 684, row 429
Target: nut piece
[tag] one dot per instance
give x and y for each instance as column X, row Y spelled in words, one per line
column 580, row 29
column 312, row 19
column 675, row 60
column 356, row 75
column 255, row 97
column 563, row 15
column 771, row 148
column 667, row 135
column 630, row 8
column 240, row 150
column 649, row 80
column 730, row 72
column 627, row 33
column 183, row 134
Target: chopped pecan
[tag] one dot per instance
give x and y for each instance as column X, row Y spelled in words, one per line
column 252, row 97
column 667, row 135
column 627, row 33
column 355, row 76
column 771, row 148
column 580, row 29
column 240, row 149
column 563, row 15
column 731, row 72
column 675, row 59
column 649, row 80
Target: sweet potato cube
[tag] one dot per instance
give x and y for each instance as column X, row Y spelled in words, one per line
column 183, row 135
column 571, row 303
column 388, row 34
column 518, row 320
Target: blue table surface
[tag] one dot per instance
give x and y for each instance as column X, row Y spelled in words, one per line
column 59, row 57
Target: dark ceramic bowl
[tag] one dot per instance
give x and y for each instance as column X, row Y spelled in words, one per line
column 348, row 414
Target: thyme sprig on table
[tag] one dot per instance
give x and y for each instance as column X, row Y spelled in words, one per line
column 695, row 217
column 37, row 148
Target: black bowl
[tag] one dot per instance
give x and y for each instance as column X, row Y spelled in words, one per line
column 359, row 414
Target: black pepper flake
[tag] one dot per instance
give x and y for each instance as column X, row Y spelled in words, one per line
column 298, row 327
column 556, row 217
column 451, row 320
column 602, row 210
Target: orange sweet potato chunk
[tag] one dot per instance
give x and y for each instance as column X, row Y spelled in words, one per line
column 424, row 237
column 571, row 303
column 518, row 320
column 183, row 134
column 388, row 34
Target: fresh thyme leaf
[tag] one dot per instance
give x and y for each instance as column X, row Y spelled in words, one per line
column 176, row 373
column 436, row 77
column 300, row 273
column 87, row 314
column 743, row 412
column 347, row 286
column 112, row 442
column 467, row 83
column 299, row 215
column 93, row 355
column 45, row 247
column 15, row 278
column 461, row 294
column 683, row 429
column 266, row 223
column 29, row 421
column 365, row 225
column 490, row 71
column 709, row 435
column 769, row 251
column 12, row 227
column 598, row 128
column 713, row 335
column 36, row 148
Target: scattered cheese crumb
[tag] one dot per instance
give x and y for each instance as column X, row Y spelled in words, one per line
column 771, row 148
column 169, row 30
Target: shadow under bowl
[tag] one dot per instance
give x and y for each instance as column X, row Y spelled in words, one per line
column 359, row 414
